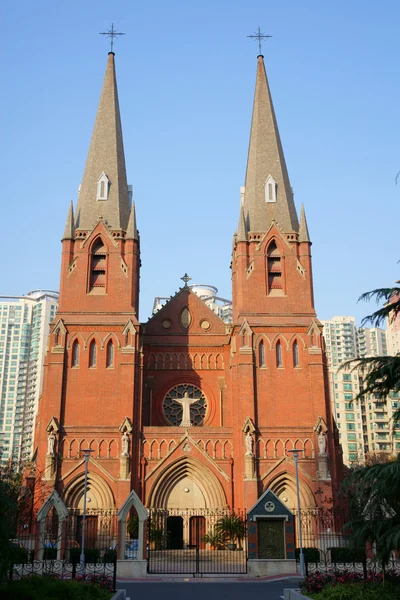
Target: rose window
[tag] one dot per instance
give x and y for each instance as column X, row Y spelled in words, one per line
column 179, row 397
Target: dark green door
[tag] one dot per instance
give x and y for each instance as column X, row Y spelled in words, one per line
column 271, row 538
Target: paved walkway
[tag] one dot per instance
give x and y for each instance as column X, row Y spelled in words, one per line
column 213, row 589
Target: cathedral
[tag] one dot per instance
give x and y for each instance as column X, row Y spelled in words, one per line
column 186, row 410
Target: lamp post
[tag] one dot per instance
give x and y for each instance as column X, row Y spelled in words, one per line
column 296, row 454
column 86, row 454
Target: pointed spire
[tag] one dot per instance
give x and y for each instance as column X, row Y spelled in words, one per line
column 104, row 189
column 69, row 231
column 266, row 161
column 242, row 233
column 304, row 236
column 131, row 230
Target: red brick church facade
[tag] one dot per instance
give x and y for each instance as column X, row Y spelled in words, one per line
column 252, row 389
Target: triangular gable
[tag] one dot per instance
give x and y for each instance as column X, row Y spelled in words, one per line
column 269, row 505
column 184, row 447
column 132, row 500
column 52, row 425
column 60, row 326
column 53, row 500
column 167, row 320
column 248, row 426
column 126, row 425
column 320, row 426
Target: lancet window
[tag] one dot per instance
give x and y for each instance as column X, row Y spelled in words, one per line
column 261, row 354
column 274, row 267
column 92, row 354
column 110, row 354
column 98, row 266
column 295, row 354
column 75, row 354
column 278, row 350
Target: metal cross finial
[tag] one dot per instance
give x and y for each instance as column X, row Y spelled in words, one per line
column 185, row 279
column 259, row 36
column 111, row 33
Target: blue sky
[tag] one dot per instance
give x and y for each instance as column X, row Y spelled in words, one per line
column 186, row 74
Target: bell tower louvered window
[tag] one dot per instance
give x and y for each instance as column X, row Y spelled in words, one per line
column 274, row 268
column 98, row 267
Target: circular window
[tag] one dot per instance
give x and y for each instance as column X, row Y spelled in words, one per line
column 179, row 397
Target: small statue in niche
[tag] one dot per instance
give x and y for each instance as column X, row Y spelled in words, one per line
column 51, row 440
column 125, row 444
column 322, row 442
column 249, row 444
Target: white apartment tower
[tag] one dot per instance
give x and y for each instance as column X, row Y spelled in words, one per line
column 365, row 426
column 23, row 338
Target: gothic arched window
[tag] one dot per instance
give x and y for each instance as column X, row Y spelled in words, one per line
column 274, row 267
column 278, row 350
column 295, row 354
column 75, row 354
column 92, row 354
column 261, row 354
column 98, row 266
column 110, row 354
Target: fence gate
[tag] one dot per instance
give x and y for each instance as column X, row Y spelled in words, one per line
column 197, row 542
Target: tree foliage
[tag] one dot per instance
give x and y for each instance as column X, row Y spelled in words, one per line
column 374, row 494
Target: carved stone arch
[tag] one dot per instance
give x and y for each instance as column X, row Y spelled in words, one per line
column 261, row 337
column 296, row 337
column 151, row 363
column 102, row 453
column 167, row 361
column 73, row 449
column 174, row 361
column 182, row 362
column 160, row 361
column 278, row 448
column 308, row 447
column 97, row 487
column 219, row 361
column 93, row 445
column 281, row 338
column 207, row 482
column 288, row 446
column 82, row 445
column 218, row 449
column 111, row 336
column 113, row 449
column 171, row 445
column 283, row 485
column 298, row 444
column 207, row 446
column 163, row 448
column 196, row 361
column 94, row 336
column 153, row 445
column 76, row 336
column 270, row 449
column 203, row 361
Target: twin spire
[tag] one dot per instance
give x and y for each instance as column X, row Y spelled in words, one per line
column 104, row 189
column 268, row 194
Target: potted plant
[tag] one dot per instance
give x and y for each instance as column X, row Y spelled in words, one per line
column 232, row 529
column 214, row 539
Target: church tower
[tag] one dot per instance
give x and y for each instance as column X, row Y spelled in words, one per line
column 279, row 378
column 91, row 389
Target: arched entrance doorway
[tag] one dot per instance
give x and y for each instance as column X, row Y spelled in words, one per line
column 175, row 533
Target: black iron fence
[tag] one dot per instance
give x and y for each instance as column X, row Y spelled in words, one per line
column 197, row 542
column 102, row 573
column 327, row 545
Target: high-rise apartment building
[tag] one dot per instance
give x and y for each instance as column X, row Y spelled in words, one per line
column 366, row 425
column 23, row 338
column 393, row 335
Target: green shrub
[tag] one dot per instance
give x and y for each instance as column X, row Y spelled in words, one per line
column 50, row 554
column 311, row 555
column 347, row 555
column 17, row 555
column 92, row 555
column 110, row 556
column 358, row 591
column 49, row 588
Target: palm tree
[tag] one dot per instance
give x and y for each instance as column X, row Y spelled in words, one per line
column 381, row 373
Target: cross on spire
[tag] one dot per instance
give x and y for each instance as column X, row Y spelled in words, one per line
column 259, row 36
column 185, row 279
column 111, row 33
